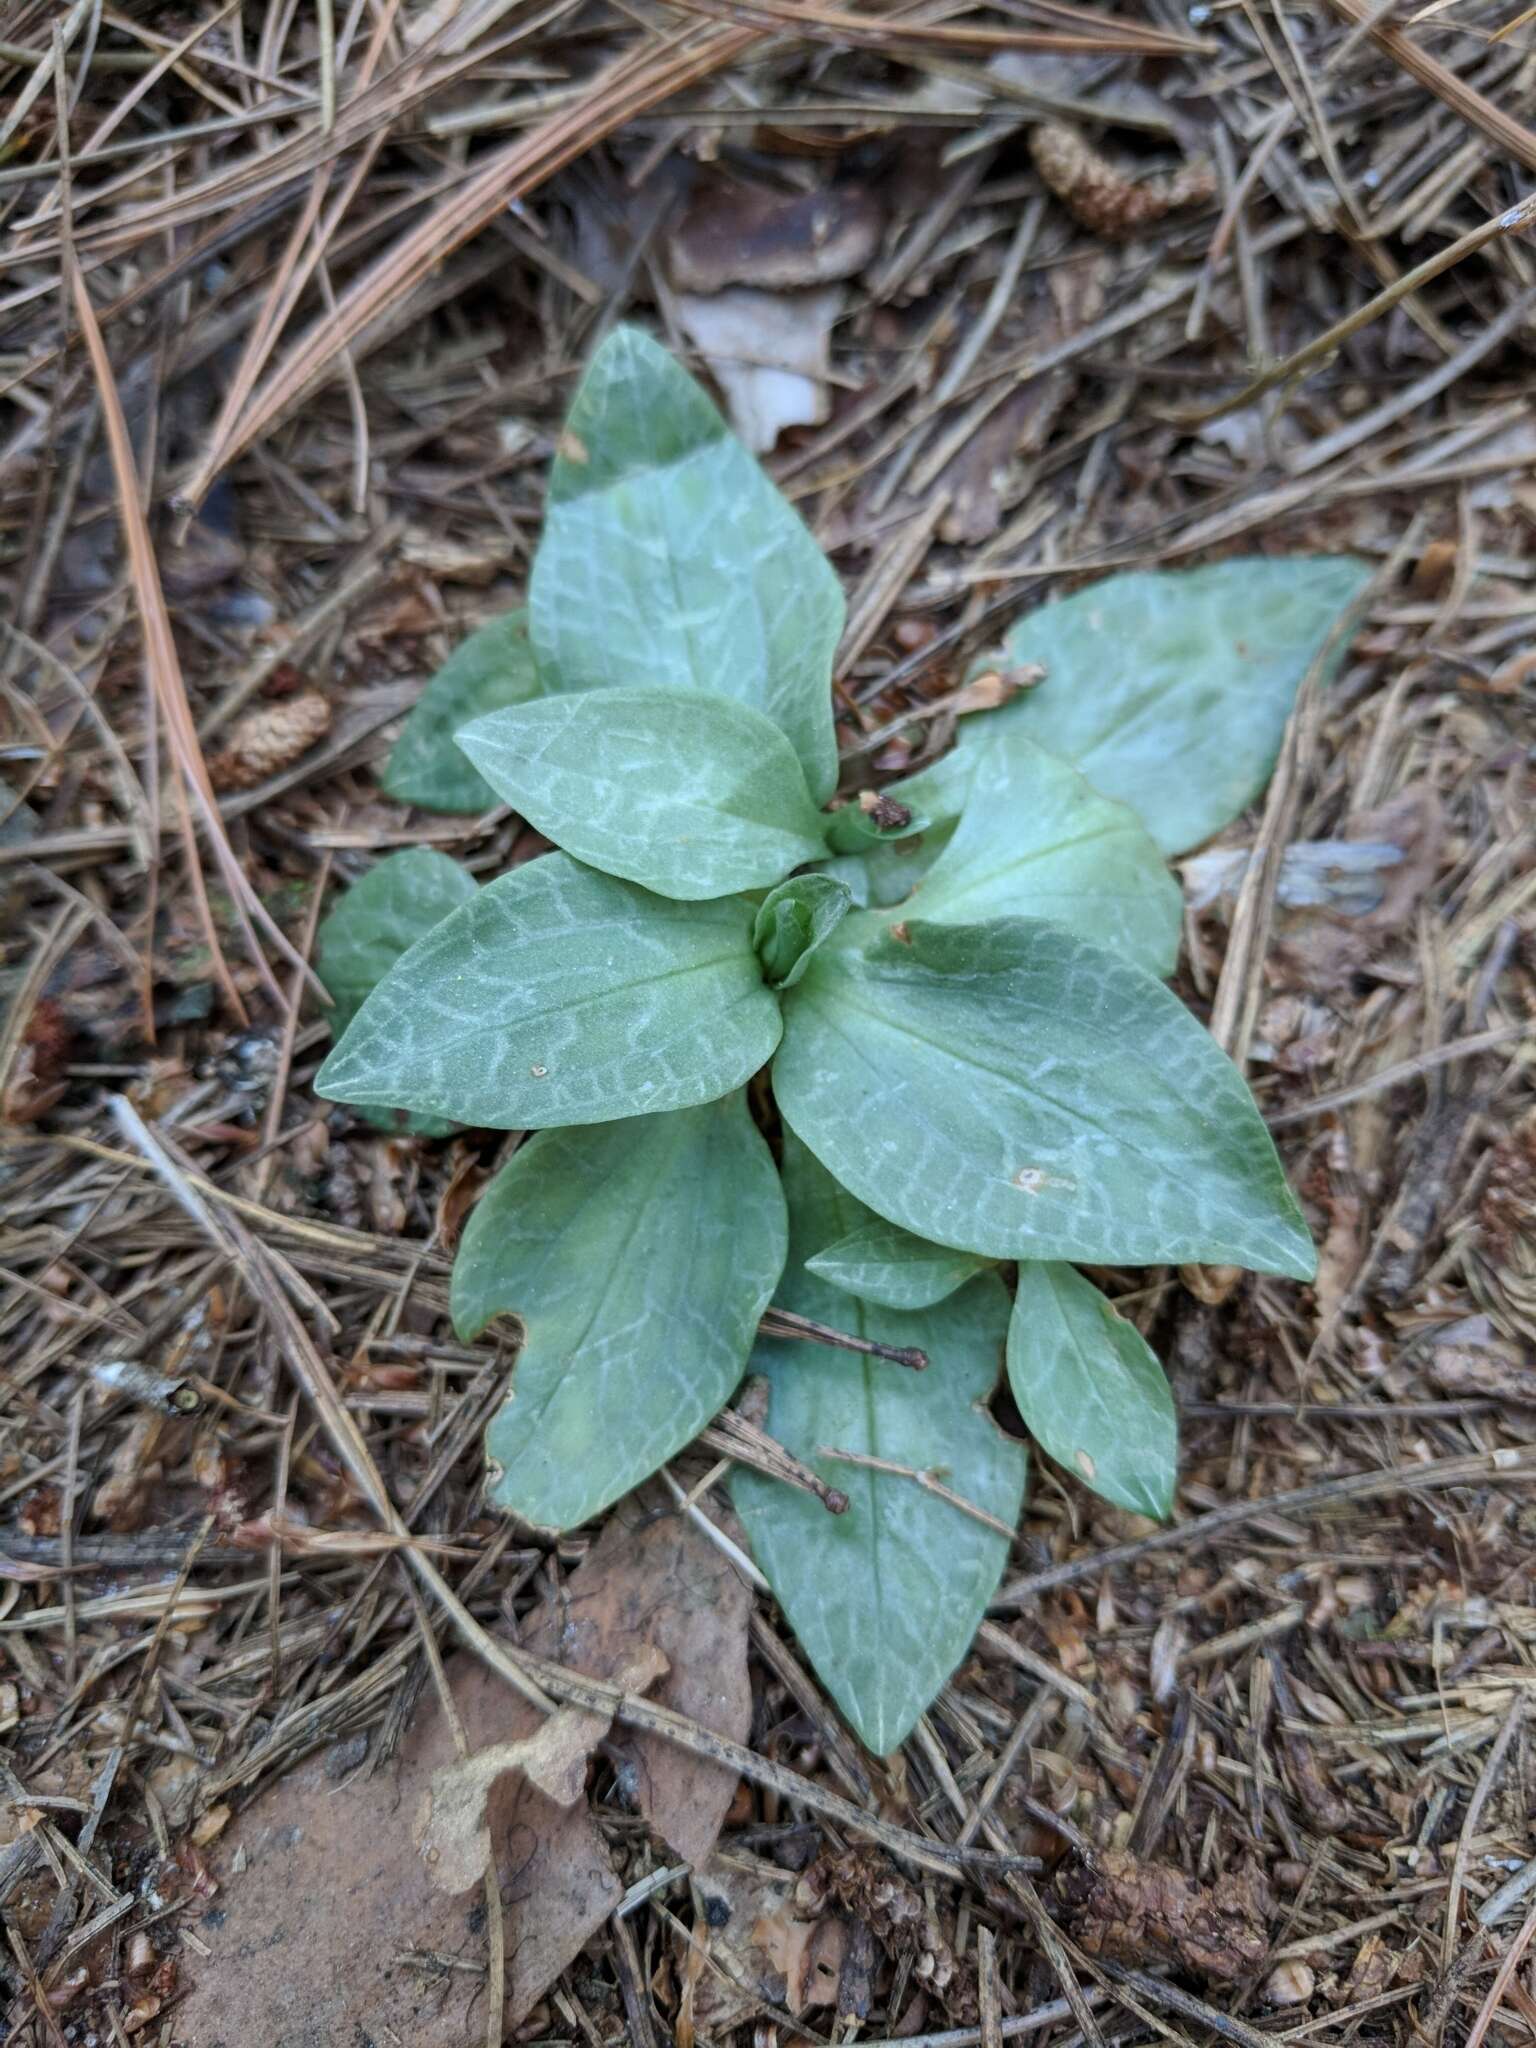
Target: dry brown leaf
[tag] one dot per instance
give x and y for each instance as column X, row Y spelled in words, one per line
column 450, row 1829
column 270, row 739
column 325, row 1892
column 995, row 687
column 746, row 234
column 652, row 1579
column 763, row 1943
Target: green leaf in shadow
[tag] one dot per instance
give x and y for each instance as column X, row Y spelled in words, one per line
column 886, row 1598
column 638, row 1257
column 491, row 669
column 374, row 922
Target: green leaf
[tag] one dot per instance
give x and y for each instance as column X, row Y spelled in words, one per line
column 1091, row 1391
column 1170, row 689
column 1036, row 840
column 879, row 1262
column 669, row 558
column 690, row 797
column 561, row 996
column 1009, row 1088
column 638, row 1257
column 794, row 920
column 492, row 668
column 397, row 902
column 886, row 1598
column 887, row 871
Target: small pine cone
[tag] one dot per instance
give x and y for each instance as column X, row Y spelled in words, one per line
column 1101, row 196
column 268, row 740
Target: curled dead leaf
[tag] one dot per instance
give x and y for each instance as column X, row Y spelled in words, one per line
column 451, row 1830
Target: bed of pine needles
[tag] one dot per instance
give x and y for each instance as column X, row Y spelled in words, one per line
column 293, row 300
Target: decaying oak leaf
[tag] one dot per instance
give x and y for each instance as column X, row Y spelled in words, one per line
column 451, row 1829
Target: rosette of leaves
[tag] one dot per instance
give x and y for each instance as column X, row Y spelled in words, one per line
column 974, row 1089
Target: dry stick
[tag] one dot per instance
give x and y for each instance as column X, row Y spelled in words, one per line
column 775, row 1322
column 1014, row 2029
column 1508, row 223
column 734, row 1437
column 495, row 1912
column 159, row 646
column 1500, row 1984
column 1487, row 1779
column 1099, row 36
column 536, row 1679
column 783, row 1322
column 1506, row 1464
column 1237, row 994
column 294, row 268
column 925, row 1480
column 1369, row 424
column 1400, row 1070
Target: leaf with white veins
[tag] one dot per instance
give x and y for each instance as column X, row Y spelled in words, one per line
column 1091, row 1391
column 1010, row 1089
column 638, row 1257
column 886, row 1598
column 377, row 919
column 1035, row 840
column 669, row 558
column 1170, row 688
column 690, row 796
column 881, row 1262
column 562, row 996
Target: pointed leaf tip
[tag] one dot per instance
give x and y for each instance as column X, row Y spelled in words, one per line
column 749, row 607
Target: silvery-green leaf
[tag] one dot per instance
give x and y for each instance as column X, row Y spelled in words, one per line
column 880, row 1262
column 376, row 920
column 1035, row 840
column 669, row 558
column 638, row 1257
column 690, row 796
column 492, row 668
column 1009, row 1088
column 562, row 996
column 1091, row 1391
column 886, row 1598
column 795, row 918
column 1170, row 688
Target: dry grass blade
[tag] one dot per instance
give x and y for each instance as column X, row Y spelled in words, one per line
column 637, row 81
column 164, row 667
column 1513, row 221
